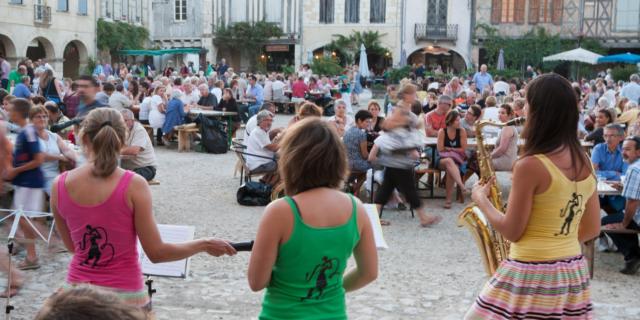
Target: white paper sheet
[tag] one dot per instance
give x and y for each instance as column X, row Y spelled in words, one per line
column 374, row 218
column 177, row 269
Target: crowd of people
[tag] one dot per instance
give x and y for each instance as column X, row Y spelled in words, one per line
column 81, row 144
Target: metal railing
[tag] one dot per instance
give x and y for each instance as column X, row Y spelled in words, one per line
column 446, row 32
column 41, row 14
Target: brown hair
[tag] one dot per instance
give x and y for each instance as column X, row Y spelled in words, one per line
column 106, row 132
column 373, row 103
column 88, row 303
column 451, row 117
column 552, row 120
column 36, row 110
column 309, row 109
column 22, row 106
column 507, row 108
column 519, row 103
column 406, row 89
column 312, row 155
column 38, row 100
column 609, row 113
column 490, row 101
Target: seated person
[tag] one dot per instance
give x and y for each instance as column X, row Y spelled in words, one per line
column 603, row 117
column 355, row 140
column 252, row 123
column 306, row 110
column 207, row 100
column 506, row 151
column 139, row 148
column 88, row 303
column 608, row 162
column 452, row 143
column 261, row 151
column 470, row 118
column 628, row 243
column 435, row 119
column 174, row 116
column 57, row 117
column 341, row 120
column 490, row 112
column 229, row 104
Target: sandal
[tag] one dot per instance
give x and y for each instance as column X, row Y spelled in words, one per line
column 385, row 222
column 28, row 265
column 433, row 221
column 10, row 292
column 447, row 205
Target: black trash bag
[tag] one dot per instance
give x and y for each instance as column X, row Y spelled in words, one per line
column 254, row 194
column 214, row 135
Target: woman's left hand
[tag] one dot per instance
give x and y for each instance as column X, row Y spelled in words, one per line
column 481, row 192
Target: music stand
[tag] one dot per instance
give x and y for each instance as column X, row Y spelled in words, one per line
column 19, row 214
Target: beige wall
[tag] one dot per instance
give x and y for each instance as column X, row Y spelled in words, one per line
column 18, row 30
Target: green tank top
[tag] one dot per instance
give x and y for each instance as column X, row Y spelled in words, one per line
column 306, row 281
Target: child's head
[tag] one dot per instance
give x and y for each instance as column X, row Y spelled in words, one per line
column 19, row 110
column 87, row 303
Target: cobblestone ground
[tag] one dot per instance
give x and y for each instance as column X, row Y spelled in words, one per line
column 430, row 273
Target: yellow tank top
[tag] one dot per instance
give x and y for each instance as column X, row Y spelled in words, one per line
column 552, row 231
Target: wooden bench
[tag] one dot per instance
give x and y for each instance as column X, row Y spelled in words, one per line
column 184, row 136
column 153, row 182
column 150, row 133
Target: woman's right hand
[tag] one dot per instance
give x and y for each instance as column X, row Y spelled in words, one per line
column 216, row 247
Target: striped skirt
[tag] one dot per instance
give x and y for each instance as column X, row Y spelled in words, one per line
column 536, row 290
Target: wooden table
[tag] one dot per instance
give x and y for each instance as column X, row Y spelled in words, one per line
column 228, row 115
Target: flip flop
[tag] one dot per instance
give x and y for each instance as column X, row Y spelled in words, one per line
column 10, row 292
column 432, row 222
column 28, row 265
column 385, row 222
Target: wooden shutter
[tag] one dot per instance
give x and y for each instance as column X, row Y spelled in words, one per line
column 518, row 12
column 556, row 14
column 534, row 11
column 496, row 11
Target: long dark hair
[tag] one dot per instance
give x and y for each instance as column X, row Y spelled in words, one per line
column 552, row 119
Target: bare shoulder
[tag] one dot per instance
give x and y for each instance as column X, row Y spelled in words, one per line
column 529, row 166
column 278, row 209
column 138, row 182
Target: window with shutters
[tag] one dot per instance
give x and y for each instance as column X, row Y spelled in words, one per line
column 83, row 7
column 507, row 11
column 545, row 11
column 180, row 10
column 63, row 5
column 273, row 11
column 326, row 11
column 628, row 15
column 238, row 12
column 437, row 12
column 352, row 11
column 378, row 11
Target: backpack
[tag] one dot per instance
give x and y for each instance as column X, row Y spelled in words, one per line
column 254, row 194
column 214, row 136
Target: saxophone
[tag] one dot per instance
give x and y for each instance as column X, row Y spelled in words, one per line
column 493, row 247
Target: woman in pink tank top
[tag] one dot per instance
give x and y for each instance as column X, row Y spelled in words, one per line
column 101, row 210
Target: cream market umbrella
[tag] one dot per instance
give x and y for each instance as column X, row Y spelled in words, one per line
column 575, row 55
column 364, row 64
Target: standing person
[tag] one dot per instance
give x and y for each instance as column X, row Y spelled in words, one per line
column 50, row 87
column 5, row 69
column 222, row 67
column 26, row 176
column 483, row 79
column 101, row 211
column 552, row 208
column 301, row 248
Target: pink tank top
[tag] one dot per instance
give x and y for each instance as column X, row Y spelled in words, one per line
column 104, row 239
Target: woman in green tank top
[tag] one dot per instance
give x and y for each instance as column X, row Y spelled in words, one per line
column 305, row 239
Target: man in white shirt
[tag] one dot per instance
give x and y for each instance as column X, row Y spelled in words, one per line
column 631, row 91
column 501, row 86
column 610, row 94
column 118, row 100
column 260, row 150
column 277, row 88
column 140, row 156
column 252, row 123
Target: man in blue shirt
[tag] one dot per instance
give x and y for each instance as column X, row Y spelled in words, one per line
column 482, row 79
column 26, row 176
column 609, row 165
column 254, row 92
column 22, row 89
column 624, row 220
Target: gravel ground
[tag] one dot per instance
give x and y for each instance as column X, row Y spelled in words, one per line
column 432, row 273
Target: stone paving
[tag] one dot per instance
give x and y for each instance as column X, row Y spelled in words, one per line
column 430, row 273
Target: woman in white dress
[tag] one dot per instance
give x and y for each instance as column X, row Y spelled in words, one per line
column 157, row 111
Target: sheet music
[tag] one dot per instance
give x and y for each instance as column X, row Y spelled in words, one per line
column 374, row 218
column 177, row 269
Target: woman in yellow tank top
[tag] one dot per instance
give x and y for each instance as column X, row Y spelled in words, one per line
column 552, row 208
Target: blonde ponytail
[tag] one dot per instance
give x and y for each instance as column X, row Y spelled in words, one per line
column 106, row 131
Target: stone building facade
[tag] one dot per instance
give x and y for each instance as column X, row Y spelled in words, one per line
column 60, row 31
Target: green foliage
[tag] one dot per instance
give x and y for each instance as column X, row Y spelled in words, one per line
column 114, row 36
column 623, row 72
column 507, row 73
column 326, row 66
column 528, row 49
column 348, row 47
column 247, row 38
column 397, row 74
column 91, row 64
column 288, row 69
